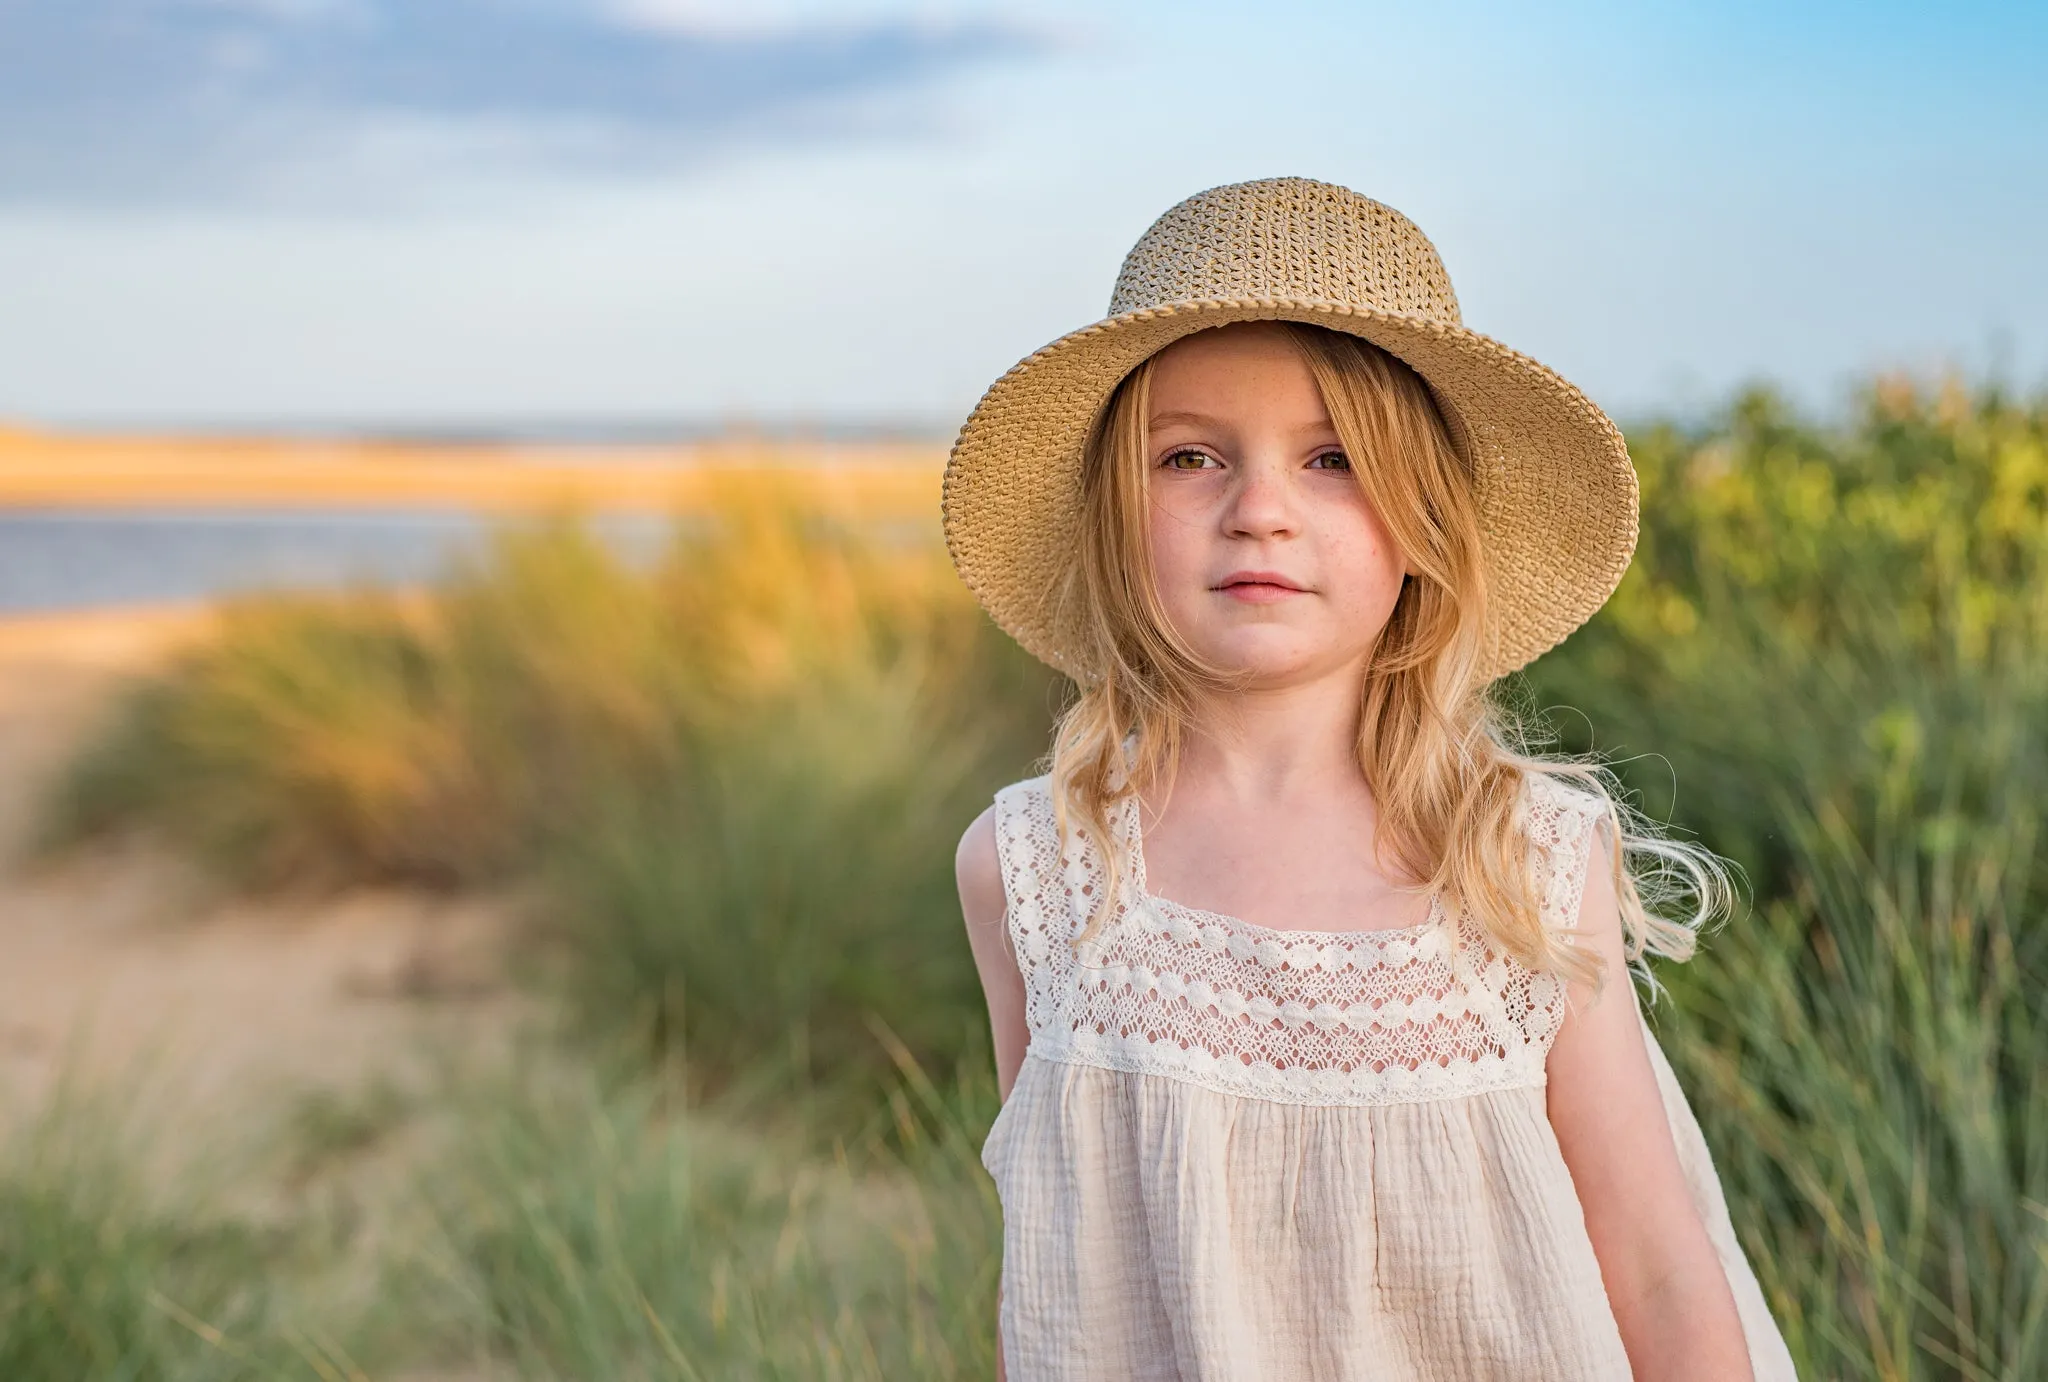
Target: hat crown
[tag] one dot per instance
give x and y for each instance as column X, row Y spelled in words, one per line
column 1290, row 239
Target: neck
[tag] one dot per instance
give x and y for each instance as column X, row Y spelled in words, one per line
column 1279, row 743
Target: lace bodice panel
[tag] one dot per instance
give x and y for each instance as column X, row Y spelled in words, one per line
column 1310, row 1017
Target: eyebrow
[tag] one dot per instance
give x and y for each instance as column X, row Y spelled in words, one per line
column 1206, row 420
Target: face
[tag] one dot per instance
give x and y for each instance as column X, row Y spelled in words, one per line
column 1268, row 557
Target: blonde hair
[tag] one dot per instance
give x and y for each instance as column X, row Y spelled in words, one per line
column 1447, row 763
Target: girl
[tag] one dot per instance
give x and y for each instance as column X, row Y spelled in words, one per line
column 1310, row 991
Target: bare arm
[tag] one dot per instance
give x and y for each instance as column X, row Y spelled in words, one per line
column 982, row 904
column 1667, row 1287
column 984, row 907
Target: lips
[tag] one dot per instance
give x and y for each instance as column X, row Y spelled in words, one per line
column 1260, row 587
column 1261, row 578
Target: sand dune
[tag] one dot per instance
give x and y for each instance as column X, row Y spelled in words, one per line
column 124, row 956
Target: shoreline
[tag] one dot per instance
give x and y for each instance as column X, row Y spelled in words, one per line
column 104, row 634
column 47, row 471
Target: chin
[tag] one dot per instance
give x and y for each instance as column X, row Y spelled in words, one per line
column 1269, row 659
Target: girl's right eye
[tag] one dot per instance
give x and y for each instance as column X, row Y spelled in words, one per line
column 1186, row 460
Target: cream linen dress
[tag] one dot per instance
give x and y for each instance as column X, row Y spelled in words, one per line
column 1235, row 1152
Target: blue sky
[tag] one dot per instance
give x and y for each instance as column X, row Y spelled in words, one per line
column 510, row 212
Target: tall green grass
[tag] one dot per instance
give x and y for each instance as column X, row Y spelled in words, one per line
column 606, row 1237
column 118, row 1262
column 549, row 1224
column 783, row 882
column 1835, row 649
column 1869, row 1074
column 738, row 781
column 734, row 773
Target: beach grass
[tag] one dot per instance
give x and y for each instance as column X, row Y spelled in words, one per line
column 581, row 1232
column 1831, row 659
column 736, row 782
column 554, row 1224
column 117, row 1261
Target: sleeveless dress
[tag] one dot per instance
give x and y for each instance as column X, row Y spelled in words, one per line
column 1237, row 1153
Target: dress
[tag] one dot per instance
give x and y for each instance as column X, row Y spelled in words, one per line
column 1242, row 1154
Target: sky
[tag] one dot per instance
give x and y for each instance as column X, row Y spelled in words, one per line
column 529, row 214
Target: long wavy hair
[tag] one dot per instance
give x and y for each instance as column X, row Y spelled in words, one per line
column 1446, row 759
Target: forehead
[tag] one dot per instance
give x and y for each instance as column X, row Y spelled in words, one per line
column 1239, row 370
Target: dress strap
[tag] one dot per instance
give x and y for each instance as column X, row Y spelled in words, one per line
column 1038, row 889
column 1560, row 823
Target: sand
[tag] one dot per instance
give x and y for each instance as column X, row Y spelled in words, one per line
column 124, row 961
column 70, row 471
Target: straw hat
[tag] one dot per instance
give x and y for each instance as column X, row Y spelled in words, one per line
column 1556, row 492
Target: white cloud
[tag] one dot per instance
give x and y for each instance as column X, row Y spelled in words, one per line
column 105, row 103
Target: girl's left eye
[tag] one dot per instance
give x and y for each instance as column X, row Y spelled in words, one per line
column 1338, row 461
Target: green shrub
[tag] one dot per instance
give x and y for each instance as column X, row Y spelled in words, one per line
column 1810, row 610
column 788, row 877
column 367, row 736
column 1836, row 648
column 740, row 773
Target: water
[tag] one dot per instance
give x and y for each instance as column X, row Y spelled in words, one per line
column 56, row 559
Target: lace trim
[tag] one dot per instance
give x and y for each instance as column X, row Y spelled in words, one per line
column 1373, row 1017
column 1560, row 822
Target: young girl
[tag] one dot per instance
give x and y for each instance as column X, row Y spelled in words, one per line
column 1310, row 992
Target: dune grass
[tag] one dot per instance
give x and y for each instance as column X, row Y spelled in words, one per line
column 1835, row 649
column 1870, row 1076
column 550, row 1224
column 730, row 771
column 738, row 781
column 120, row 1261
column 607, row 1235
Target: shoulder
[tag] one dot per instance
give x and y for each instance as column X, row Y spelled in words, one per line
column 978, row 870
column 1024, row 789
column 1574, row 861
column 978, row 861
column 1561, row 813
column 1551, row 792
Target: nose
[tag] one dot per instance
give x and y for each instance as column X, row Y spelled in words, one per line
column 1262, row 501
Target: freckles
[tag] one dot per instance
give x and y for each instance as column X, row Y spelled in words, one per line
column 1364, row 553
column 1368, row 566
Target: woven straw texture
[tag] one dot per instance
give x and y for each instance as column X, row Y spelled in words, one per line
column 1556, row 491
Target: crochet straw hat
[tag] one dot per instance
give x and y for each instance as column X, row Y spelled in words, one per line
column 1556, row 492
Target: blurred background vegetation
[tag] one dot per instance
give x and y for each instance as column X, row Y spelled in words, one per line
column 732, row 784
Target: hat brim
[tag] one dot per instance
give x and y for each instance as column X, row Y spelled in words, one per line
column 1556, row 492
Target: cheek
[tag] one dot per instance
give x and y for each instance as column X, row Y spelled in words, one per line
column 1177, row 550
column 1364, row 556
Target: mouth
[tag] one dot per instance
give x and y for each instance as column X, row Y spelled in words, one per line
column 1259, row 586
